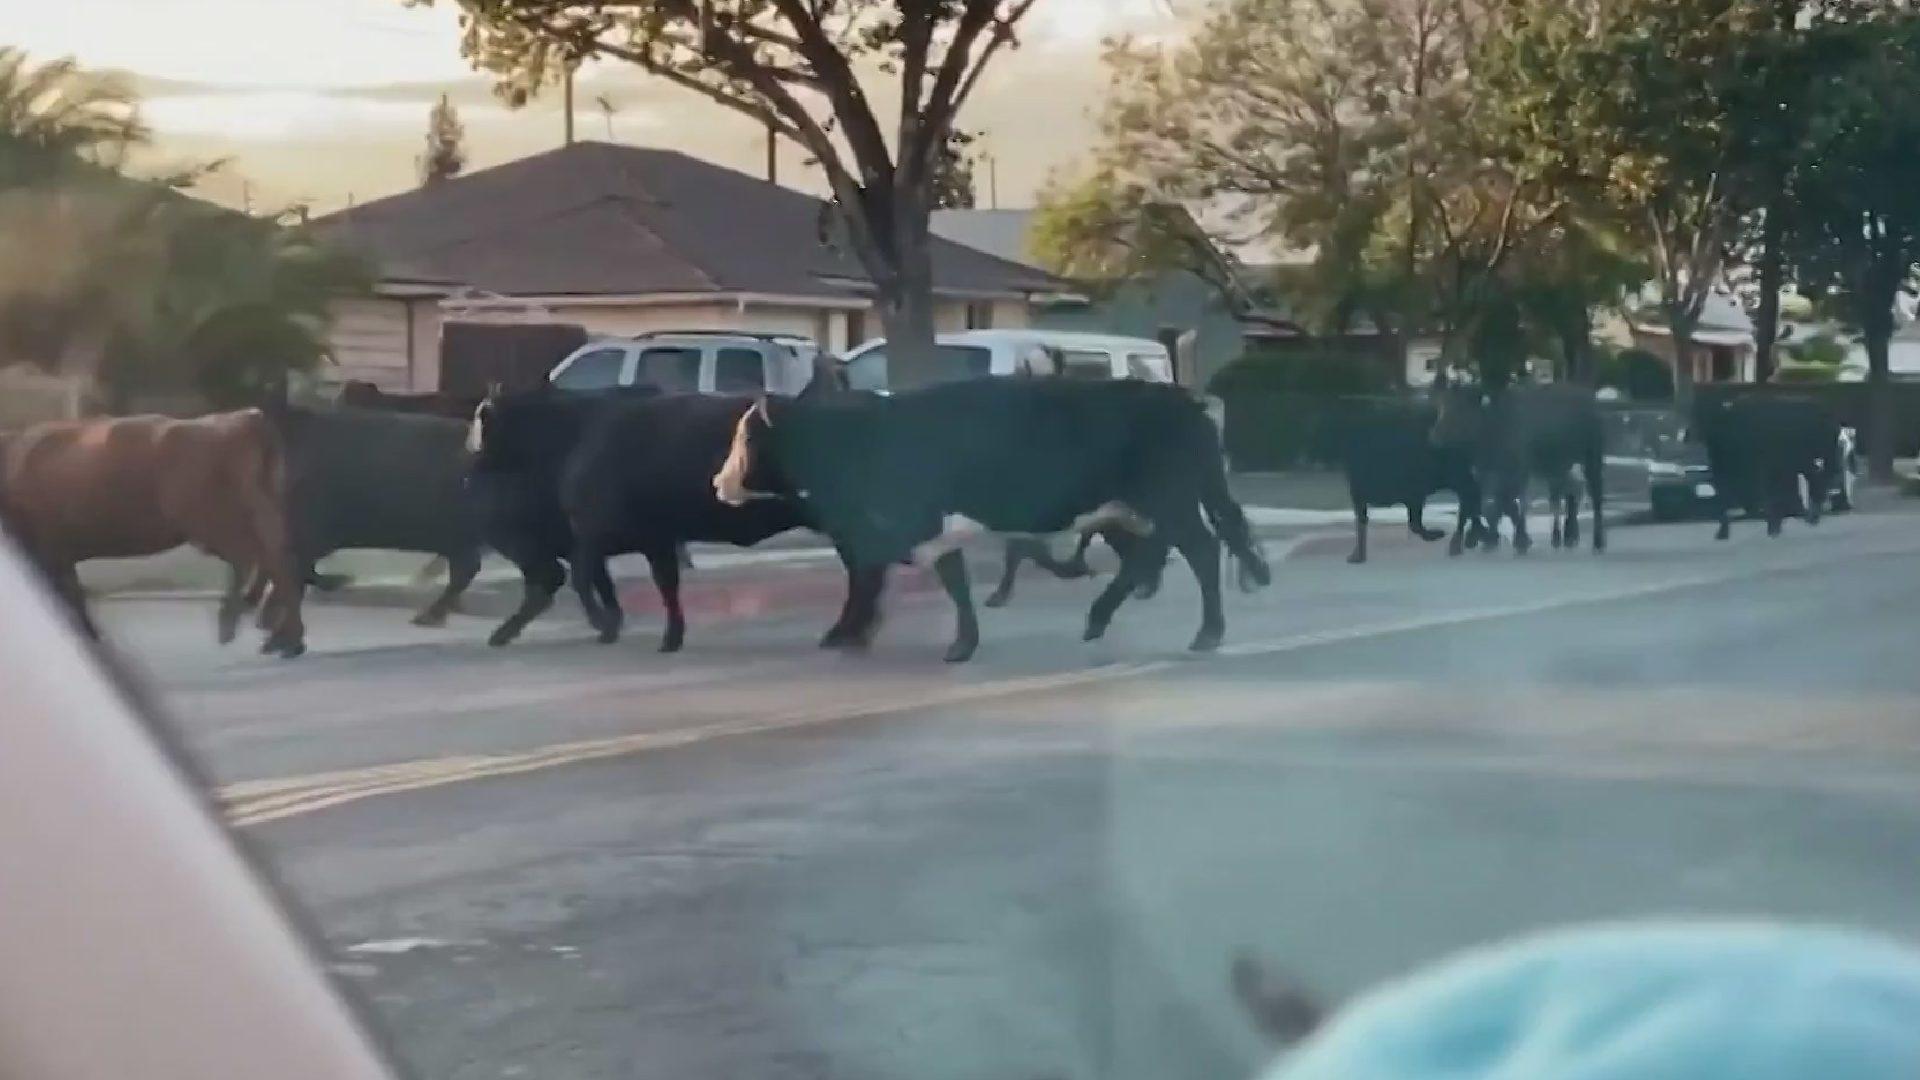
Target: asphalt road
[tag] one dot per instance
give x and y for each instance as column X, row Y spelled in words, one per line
column 754, row 860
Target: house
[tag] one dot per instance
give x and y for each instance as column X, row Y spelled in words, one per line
column 391, row 338
column 1723, row 346
column 1175, row 301
column 622, row 239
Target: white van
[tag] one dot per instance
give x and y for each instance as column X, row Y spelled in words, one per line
column 972, row 353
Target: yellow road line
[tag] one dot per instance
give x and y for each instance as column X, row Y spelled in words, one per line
column 260, row 802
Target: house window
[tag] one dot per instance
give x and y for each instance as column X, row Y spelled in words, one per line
column 979, row 316
column 597, row 370
column 739, row 371
column 675, row 370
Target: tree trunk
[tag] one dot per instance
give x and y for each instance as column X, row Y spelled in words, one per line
column 1880, row 448
column 905, row 300
column 1683, row 366
column 1766, row 328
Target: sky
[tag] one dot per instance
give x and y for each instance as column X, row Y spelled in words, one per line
column 271, row 86
column 344, row 43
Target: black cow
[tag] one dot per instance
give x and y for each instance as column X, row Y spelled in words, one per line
column 1392, row 459
column 591, row 479
column 1526, row 430
column 357, row 394
column 381, row 481
column 913, row 474
column 1760, row 445
column 1051, row 363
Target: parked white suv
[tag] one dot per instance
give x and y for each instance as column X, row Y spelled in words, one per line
column 691, row 361
column 971, row 353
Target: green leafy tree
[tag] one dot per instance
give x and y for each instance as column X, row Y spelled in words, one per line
column 1857, row 236
column 952, row 183
column 1344, row 127
column 125, row 279
column 446, row 153
column 55, row 113
column 793, row 66
column 1259, row 116
column 1643, row 104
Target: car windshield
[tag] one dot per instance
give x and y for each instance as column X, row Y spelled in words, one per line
column 681, row 716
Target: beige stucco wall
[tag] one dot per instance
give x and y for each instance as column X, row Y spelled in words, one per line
column 424, row 326
column 368, row 337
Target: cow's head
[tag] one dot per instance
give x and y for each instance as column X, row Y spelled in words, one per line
column 499, row 436
column 751, row 470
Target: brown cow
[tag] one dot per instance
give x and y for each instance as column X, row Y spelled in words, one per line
column 134, row 486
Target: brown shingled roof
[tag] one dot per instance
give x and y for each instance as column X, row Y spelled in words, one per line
column 599, row 219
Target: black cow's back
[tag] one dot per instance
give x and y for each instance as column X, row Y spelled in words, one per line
column 1016, row 455
column 369, row 479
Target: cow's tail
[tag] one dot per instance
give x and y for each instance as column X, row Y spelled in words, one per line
column 1227, row 519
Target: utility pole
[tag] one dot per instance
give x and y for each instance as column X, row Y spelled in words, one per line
column 773, row 154
column 567, row 103
column 993, row 182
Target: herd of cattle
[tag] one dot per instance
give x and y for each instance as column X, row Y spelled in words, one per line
column 558, row 483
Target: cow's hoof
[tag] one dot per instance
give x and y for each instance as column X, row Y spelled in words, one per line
column 292, row 650
column 997, row 600
column 606, row 637
column 502, row 637
column 1207, row 640
column 961, row 651
column 668, row 645
column 1095, row 630
column 432, row 620
column 1075, row 568
column 1356, row 559
column 1557, row 543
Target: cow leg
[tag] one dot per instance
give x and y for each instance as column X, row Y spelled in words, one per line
column 540, row 582
column 860, row 615
column 1360, row 520
column 1592, row 468
column 609, row 596
column 951, row 569
column 1018, row 550
column 245, row 587
column 461, row 570
column 1513, row 501
column 1416, row 520
column 1151, row 560
column 1816, row 491
column 586, row 561
column 257, row 593
column 1148, row 551
column 665, row 564
column 1201, row 549
column 1780, row 488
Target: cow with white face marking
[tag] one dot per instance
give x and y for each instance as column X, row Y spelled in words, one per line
column 917, row 474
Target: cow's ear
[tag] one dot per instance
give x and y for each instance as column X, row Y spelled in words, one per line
column 761, row 407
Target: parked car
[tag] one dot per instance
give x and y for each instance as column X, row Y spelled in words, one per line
column 702, row 361
column 972, row 353
column 1650, row 457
